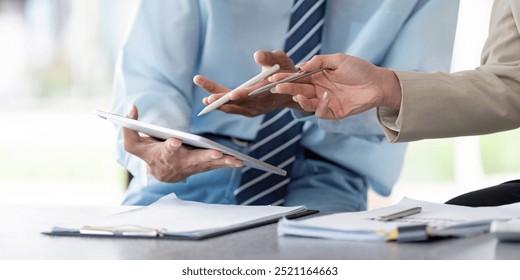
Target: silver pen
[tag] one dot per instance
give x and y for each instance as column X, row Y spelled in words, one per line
column 400, row 214
column 296, row 76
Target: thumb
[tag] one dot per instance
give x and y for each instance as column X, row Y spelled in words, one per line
column 133, row 114
column 131, row 137
column 171, row 145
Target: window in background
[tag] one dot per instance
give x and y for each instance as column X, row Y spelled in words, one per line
column 57, row 68
column 437, row 170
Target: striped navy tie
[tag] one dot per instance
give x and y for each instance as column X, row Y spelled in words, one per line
column 279, row 134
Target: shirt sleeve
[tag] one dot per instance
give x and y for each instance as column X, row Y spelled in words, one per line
column 155, row 68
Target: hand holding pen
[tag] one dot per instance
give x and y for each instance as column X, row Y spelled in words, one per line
column 348, row 86
column 239, row 101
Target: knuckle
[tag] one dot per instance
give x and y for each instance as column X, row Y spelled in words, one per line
column 338, row 55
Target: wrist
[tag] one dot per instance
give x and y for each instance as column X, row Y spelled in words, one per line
column 391, row 89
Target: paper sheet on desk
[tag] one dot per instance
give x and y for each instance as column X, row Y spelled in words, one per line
column 441, row 220
column 173, row 217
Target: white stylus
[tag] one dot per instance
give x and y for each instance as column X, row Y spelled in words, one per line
column 219, row 102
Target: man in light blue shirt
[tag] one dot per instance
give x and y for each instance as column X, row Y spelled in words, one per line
column 172, row 41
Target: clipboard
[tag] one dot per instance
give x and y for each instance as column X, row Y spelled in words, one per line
column 173, row 218
column 147, row 233
column 187, row 138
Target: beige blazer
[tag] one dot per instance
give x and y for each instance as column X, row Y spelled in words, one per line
column 479, row 101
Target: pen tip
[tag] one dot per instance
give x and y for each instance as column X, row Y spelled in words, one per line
column 204, row 111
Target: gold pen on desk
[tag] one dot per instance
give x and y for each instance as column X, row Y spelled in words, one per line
column 400, row 214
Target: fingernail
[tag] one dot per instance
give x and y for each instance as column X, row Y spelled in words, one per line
column 131, row 112
column 215, row 156
column 174, row 144
column 259, row 55
column 273, row 90
column 295, row 98
column 270, row 79
column 325, row 95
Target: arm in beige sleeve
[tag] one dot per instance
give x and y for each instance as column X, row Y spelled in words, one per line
column 480, row 101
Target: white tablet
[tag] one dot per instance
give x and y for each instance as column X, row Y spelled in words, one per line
column 187, row 138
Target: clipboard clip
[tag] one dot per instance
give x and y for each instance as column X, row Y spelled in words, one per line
column 123, row 230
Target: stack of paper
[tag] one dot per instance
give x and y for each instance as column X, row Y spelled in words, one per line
column 172, row 217
column 506, row 230
column 435, row 220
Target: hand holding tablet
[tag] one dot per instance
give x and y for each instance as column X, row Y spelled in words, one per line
column 187, row 138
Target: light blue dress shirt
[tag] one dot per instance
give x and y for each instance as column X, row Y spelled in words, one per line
column 171, row 41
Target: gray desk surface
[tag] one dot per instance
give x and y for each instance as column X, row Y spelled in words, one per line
column 20, row 238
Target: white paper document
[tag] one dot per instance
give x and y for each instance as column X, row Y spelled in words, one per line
column 173, row 217
column 506, row 230
column 435, row 220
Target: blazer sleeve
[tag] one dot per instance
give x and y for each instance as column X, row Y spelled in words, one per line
column 480, row 101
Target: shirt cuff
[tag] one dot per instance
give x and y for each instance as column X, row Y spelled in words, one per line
column 390, row 120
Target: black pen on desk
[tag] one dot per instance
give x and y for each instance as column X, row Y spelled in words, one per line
column 400, row 214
